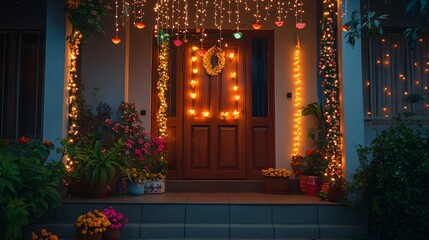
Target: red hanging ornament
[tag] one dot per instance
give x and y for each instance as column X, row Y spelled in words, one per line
column 202, row 52
column 177, row 42
column 301, row 25
column 279, row 23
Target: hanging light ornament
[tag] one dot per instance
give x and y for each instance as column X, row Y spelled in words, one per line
column 256, row 25
column 116, row 39
column 138, row 14
column 186, row 21
column 237, row 34
column 298, row 15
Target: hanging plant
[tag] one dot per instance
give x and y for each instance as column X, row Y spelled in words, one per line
column 208, row 59
column 87, row 15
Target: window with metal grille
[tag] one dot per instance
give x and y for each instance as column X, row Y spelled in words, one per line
column 21, row 83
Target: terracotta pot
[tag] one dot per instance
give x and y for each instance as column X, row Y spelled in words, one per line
column 96, row 236
column 95, row 191
column 113, row 185
column 112, row 234
column 303, row 184
column 276, row 185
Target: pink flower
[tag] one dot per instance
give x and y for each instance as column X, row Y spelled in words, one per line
column 137, row 151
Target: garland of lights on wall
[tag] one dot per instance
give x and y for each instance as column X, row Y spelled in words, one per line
column 330, row 85
column 162, row 83
column 298, row 102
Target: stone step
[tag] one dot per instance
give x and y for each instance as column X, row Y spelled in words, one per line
column 223, row 185
column 265, row 220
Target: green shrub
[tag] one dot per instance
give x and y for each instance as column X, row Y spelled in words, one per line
column 28, row 184
column 394, row 177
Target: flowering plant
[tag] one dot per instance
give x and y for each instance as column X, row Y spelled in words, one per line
column 92, row 223
column 276, row 172
column 156, row 176
column 144, row 150
column 136, row 175
column 313, row 163
column 116, row 219
column 43, row 235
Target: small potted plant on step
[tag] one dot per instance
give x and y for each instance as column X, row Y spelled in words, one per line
column 117, row 221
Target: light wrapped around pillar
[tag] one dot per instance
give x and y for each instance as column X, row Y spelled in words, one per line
column 330, row 85
column 162, row 84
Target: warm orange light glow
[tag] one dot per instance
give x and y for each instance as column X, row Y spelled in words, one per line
column 233, row 75
column 195, row 70
column 193, row 83
column 192, row 111
column 194, row 58
column 235, row 113
column 206, row 114
column 235, row 88
column 194, row 48
column 237, row 97
column 193, row 95
column 297, row 99
column 231, row 56
column 116, row 40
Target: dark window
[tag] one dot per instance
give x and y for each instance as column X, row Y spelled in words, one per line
column 21, row 84
column 259, row 77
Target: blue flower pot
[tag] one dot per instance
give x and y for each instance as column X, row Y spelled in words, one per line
column 135, row 188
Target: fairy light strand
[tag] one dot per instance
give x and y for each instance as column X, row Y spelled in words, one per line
column 162, row 87
column 330, row 86
column 298, row 92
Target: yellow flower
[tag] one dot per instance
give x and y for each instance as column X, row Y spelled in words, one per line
column 34, row 236
column 84, row 232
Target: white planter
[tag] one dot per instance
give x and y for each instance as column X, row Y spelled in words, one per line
column 154, row 186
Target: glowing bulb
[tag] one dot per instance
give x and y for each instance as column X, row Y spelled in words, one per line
column 194, row 48
column 195, row 70
column 192, row 111
column 235, row 113
column 206, row 114
column 235, row 88
column 193, row 83
column 233, row 75
column 237, row 97
column 231, row 56
column 193, row 95
column 140, row 25
column 194, row 58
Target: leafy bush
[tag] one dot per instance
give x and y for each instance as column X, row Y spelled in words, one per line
column 28, row 184
column 394, row 177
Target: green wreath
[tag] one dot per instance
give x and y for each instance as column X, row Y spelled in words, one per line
column 207, row 61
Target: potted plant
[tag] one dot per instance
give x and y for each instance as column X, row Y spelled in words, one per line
column 155, row 183
column 43, row 235
column 136, row 180
column 276, row 180
column 91, row 225
column 144, row 151
column 117, row 221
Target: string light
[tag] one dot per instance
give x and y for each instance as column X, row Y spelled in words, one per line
column 330, row 85
column 162, row 84
column 298, row 103
column 194, row 81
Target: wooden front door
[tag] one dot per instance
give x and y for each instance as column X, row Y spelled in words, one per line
column 220, row 127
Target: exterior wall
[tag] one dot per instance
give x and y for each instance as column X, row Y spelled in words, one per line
column 104, row 63
column 55, row 103
column 350, row 64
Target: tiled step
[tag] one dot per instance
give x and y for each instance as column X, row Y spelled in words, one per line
column 223, row 186
column 179, row 219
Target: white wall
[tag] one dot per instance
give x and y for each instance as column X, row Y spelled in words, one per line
column 104, row 67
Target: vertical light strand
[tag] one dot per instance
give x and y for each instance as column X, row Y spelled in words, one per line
column 330, row 86
column 162, row 86
column 297, row 102
column 193, row 83
column 72, row 87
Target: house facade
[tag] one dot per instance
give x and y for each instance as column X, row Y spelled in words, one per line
column 125, row 72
